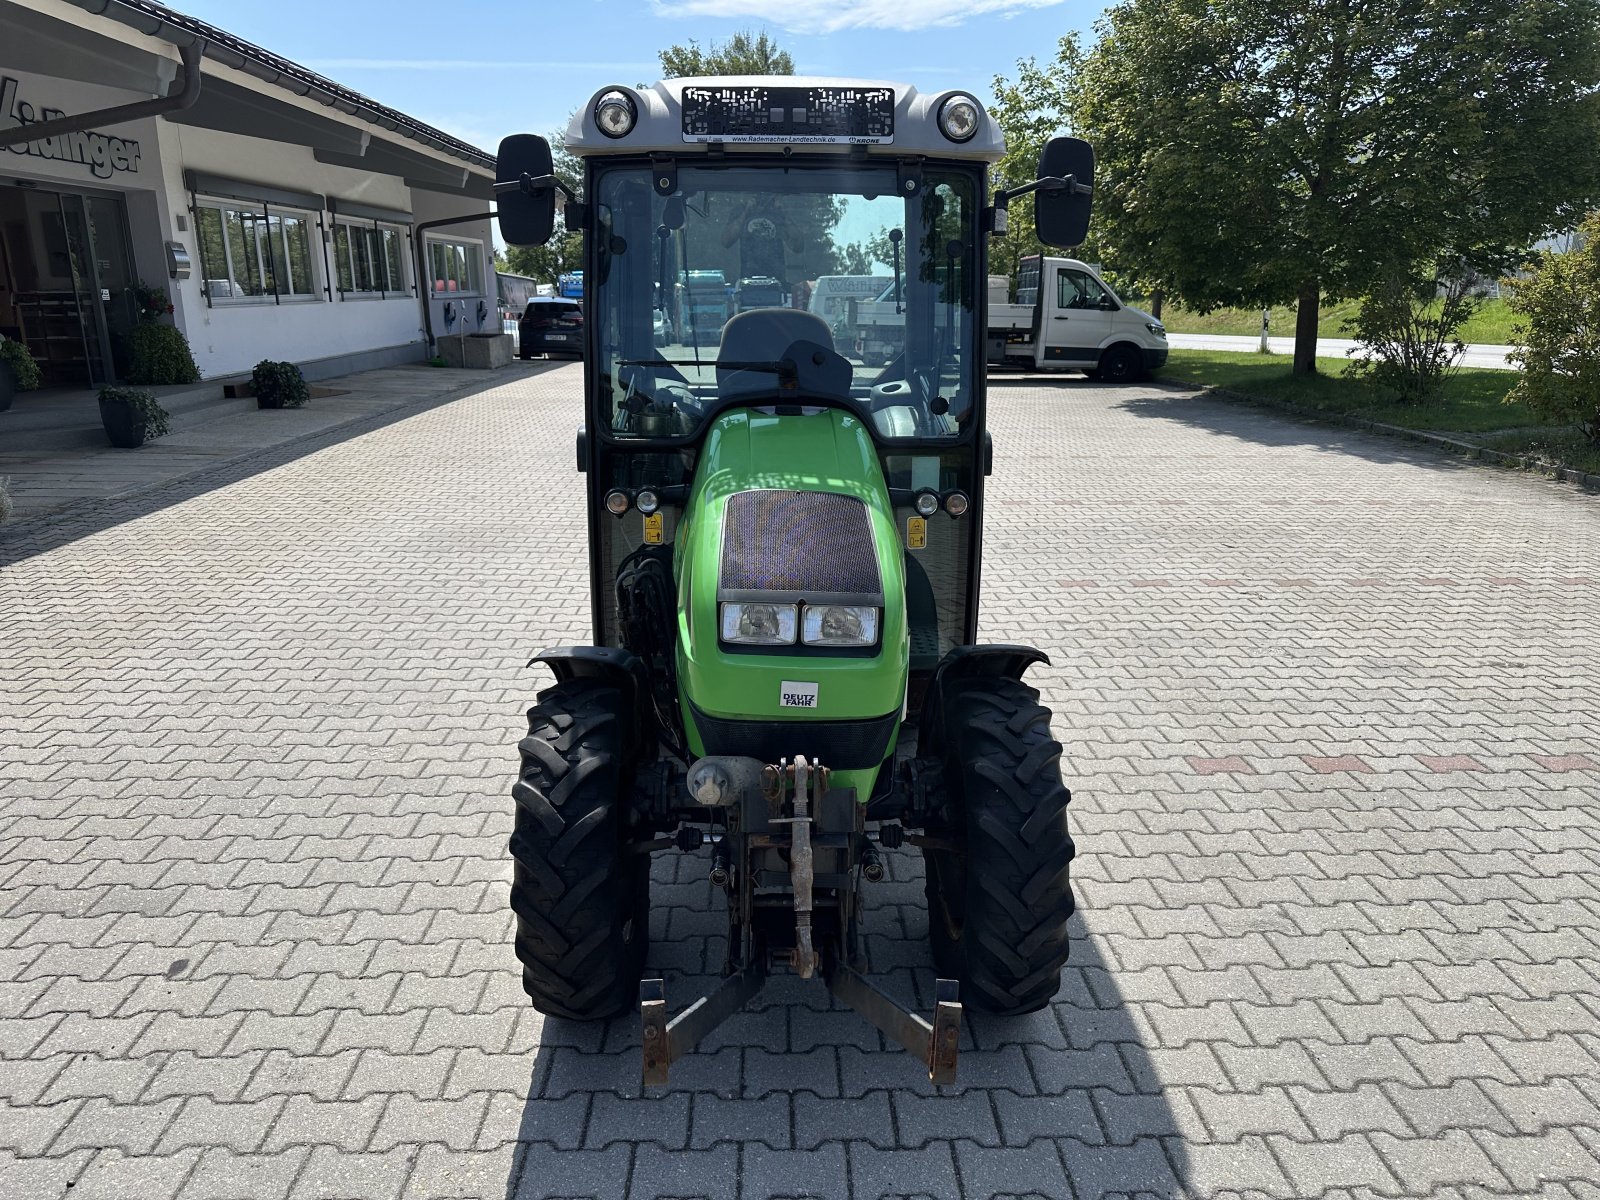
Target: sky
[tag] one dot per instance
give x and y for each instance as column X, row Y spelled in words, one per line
column 481, row 71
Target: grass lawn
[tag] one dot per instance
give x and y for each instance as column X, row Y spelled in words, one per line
column 1474, row 400
column 1473, row 403
column 1490, row 325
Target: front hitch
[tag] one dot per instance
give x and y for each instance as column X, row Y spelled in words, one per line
column 779, row 808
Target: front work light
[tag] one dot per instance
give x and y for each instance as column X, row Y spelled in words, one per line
column 616, row 502
column 958, row 118
column 759, row 624
column 926, row 504
column 839, row 625
column 614, row 113
column 647, row 502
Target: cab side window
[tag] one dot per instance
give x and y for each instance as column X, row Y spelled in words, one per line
column 1074, row 289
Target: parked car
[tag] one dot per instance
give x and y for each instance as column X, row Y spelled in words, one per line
column 550, row 325
column 663, row 327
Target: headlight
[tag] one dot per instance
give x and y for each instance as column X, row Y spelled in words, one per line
column 759, row 624
column 958, row 118
column 1156, row 327
column 614, row 114
column 839, row 625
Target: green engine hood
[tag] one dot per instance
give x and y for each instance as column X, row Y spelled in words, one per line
column 748, row 450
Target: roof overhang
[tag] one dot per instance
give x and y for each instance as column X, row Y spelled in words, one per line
column 135, row 52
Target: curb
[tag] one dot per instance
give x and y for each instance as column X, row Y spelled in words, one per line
column 18, row 529
column 1470, row 450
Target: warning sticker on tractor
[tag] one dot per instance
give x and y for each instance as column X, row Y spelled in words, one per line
column 916, row 533
column 653, row 529
column 797, row 695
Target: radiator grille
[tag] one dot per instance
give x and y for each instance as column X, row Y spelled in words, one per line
column 798, row 542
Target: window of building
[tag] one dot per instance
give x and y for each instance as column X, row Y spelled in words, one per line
column 456, row 267
column 252, row 252
column 370, row 258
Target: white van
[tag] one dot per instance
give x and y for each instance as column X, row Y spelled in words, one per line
column 1067, row 318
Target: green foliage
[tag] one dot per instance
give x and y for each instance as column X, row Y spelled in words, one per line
column 279, row 385
column 21, row 363
column 1254, row 152
column 6, row 505
column 1557, row 337
column 745, row 53
column 546, row 263
column 151, row 415
column 159, row 354
column 1408, row 334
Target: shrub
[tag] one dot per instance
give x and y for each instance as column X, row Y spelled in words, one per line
column 22, row 364
column 151, row 415
column 279, row 385
column 159, row 354
column 6, row 507
column 1557, row 334
column 1408, row 328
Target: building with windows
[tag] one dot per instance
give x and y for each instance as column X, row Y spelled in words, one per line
column 284, row 216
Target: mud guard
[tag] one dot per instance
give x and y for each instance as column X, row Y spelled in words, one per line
column 621, row 670
column 968, row 662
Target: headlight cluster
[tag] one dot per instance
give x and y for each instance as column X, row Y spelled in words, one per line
column 1156, row 327
column 815, row 624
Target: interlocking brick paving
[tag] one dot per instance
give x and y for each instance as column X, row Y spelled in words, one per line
column 256, row 738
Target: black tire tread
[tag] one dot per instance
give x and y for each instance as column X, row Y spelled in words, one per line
column 1008, row 806
column 581, row 909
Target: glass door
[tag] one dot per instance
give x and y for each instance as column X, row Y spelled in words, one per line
column 112, row 257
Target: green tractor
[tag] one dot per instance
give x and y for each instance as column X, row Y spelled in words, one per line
column 784, row 553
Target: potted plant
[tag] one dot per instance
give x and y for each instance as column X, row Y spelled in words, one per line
column 18, row 371
column 131, row 416
column 158, row 353
column 279, row 385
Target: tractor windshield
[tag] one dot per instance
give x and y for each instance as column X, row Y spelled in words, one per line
column 779, row 282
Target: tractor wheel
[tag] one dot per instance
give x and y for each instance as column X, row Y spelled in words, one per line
column 1121, row 364
column 997, row 914
column 581, row 904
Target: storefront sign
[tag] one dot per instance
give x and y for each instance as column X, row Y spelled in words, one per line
column 102, row 153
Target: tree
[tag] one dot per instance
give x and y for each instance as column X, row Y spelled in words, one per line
column 745, row 53
column 1257, row 152
column 1557, row 335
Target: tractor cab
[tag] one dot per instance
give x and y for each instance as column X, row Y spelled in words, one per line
column 785, row 539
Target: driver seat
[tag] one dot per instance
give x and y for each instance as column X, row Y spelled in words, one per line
column 763, row 335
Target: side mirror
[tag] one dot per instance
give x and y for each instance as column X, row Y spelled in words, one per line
column 527, row 215
column 1061, row 215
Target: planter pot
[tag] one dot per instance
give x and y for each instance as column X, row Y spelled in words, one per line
column 476, row 351
column 124, row 426
column 8, row 385
column 269, row 401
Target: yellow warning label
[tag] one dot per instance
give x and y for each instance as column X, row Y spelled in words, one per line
column 654, row 529
column 916, row 533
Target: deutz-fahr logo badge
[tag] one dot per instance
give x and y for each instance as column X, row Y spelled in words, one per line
column 797, row 695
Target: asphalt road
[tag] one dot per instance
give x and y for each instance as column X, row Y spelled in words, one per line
column 1476, row 356
column 1328, row 704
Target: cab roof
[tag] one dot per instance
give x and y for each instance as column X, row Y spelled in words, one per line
column 660, row 126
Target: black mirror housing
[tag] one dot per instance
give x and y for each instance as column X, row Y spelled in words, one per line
column 527, row 217
column 1061, row 216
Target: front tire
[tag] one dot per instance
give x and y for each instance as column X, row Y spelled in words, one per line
column 997, row 915
column 581, row 904
column 1121, row 364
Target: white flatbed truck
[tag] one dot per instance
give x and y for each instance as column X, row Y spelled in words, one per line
column 1065, row 318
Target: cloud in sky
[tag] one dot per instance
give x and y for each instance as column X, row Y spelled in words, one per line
column 829, row 16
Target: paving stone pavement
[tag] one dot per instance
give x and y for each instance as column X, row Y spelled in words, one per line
column 1329, row 706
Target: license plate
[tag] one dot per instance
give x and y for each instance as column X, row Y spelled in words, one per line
column 555, row 337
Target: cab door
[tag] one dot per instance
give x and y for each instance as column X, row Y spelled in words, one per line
column 1076, row 319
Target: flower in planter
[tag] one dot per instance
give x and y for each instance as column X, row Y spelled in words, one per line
column 152, row 303
column 131, row 416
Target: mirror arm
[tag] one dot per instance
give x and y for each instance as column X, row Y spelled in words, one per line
column 1049, row 183
column 530, row 185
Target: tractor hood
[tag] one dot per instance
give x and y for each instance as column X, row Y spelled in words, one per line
column 791, row 510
